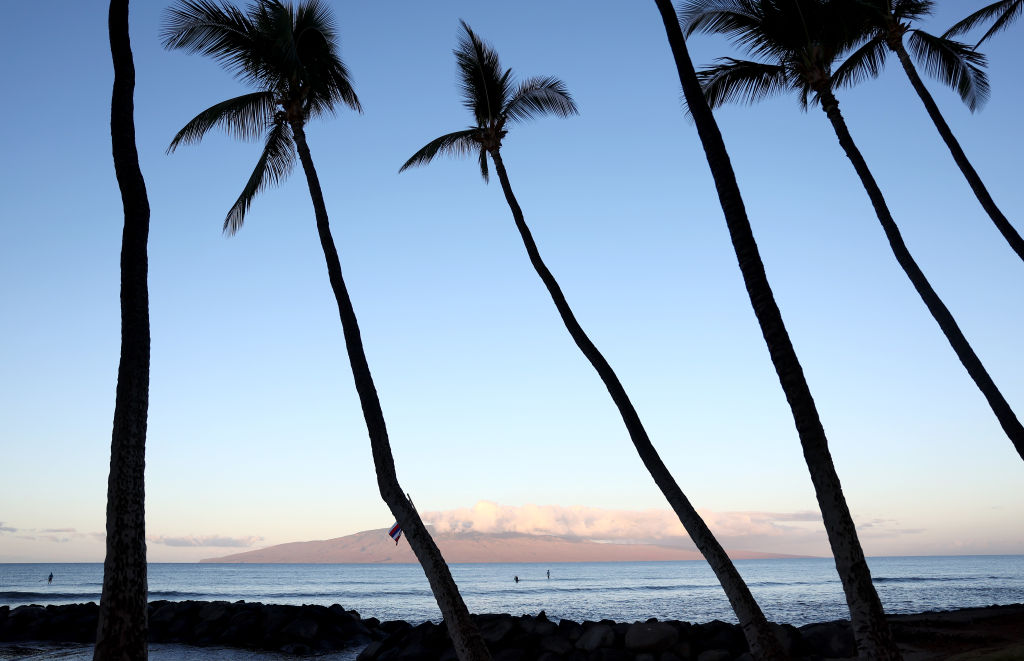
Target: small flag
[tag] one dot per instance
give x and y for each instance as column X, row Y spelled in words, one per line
column 395, row 532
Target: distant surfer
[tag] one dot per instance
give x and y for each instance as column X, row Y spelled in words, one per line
column 549, row 574
column 516, row 578
column 50, row 579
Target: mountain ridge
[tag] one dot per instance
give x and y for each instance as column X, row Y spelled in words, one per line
column 375, row 547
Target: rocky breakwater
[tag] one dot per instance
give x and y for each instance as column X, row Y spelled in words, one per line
column 290, row 629
column 991, row 632
column 967, row 633
column 536, row 638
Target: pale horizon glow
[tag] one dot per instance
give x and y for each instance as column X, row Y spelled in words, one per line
column 792, row 533
column 496, row 421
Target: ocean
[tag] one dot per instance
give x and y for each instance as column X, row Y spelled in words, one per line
column 794, row 591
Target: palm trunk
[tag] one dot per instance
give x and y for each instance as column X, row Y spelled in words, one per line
column 870, row 628
column 1011, row 425
column 1005, row 228
column 469, row 645
column 121, row 632
column 763, row 643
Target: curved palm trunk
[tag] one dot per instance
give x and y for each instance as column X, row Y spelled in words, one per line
column 469, row 645
column 763, row 643
column 1011, row 425
column 870, row 628
column 121, row 631
column 1005, row 227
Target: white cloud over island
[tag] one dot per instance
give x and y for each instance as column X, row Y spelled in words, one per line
column 789, row 532
column 206, row 541
column 797, row 533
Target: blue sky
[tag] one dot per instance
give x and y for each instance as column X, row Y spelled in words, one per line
column 255, row 434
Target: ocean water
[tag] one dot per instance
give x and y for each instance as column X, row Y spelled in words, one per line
column 794, row 591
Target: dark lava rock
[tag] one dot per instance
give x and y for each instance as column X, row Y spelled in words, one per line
column 311, row 630
column 596, row 636
column 651, row 637
column 292, row 629
column 829, row 639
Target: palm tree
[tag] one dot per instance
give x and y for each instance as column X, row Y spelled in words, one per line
column 805, row 38
column 871, row 630
column 290, row 55
column 497, row 103
column 1001, row 13
column 955, row 64
column 121, row 632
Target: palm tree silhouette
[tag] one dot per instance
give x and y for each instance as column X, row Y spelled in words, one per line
column 497, row 103
column 953, row 63
column 805, row 38
column 871, row 630
column 1002, row 14
column 121, row 631
column 289, row 53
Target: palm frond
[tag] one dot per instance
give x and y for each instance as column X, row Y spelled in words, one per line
column 283, row 24
column 340, row 84
column 314, row 53
column 748, row 23
column 954, row 64
column 220, row 31
column 865, row 62
column 728, row 17
column 245, row 117
column 485, row 88
column 812, row 32
column 1001, row 13
column 289, row 50
column 459, row 143
column 742, row 80
column 804, row 97
column 545, row 95
column 908, row 11
column 329, row 87
column 482, row 158
column 276, row 162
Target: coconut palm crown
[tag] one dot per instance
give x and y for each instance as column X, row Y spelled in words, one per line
column 887, row 22
column 802, row 53
column 289, row 53
column 953, row 63
column 1001, row 13
column 804, row 38
column 495, row 100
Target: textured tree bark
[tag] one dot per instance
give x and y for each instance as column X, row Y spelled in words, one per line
column 1007, row 418
column 1002, row 224
column 763, row 643
column 469, row 645
column 121, row 631
column 874, row 639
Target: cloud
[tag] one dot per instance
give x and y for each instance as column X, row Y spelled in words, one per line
column 885, row 528
column 800, row 532
column 52, row 535
column 56, row 539
column 618, row 525
column 206, row 540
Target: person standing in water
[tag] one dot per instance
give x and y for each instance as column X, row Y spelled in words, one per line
column 515, row 578
column 549, row 574
column 50, row 579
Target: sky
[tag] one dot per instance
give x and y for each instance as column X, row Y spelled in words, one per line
column 255, row 434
